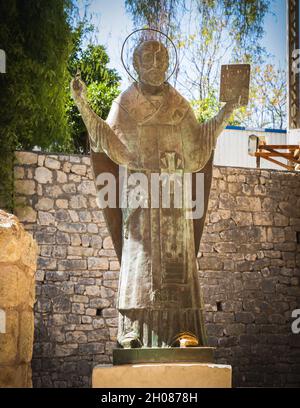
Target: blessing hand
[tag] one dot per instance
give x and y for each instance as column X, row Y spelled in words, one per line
column 78, row 87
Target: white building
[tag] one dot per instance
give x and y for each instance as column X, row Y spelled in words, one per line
column 232, row 147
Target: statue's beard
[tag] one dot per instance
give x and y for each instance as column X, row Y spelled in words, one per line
column 153, row 76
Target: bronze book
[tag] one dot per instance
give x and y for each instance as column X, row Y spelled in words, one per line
column 235, row 80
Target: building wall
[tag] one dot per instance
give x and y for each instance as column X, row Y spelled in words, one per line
column 249, row 268
column 232, row 147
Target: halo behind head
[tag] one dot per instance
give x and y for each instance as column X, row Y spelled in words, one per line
column 148, row 40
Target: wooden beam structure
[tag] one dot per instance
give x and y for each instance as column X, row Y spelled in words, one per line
column 268, row 152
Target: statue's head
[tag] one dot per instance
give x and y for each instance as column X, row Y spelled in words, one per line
column 151, row 61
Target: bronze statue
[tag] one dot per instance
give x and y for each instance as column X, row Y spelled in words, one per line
column 151, row 128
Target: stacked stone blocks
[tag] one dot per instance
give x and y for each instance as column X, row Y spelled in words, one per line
column 249, row 268
column 18, row 253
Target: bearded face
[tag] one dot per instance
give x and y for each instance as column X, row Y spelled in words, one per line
column 151, row 62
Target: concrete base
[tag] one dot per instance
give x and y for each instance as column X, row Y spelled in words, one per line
column 171, row 375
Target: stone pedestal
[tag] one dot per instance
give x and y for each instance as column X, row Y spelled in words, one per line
column 163, row 355
column 18, row 253
column 162, row 375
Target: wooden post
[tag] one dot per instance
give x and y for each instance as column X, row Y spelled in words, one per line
column 293, row 65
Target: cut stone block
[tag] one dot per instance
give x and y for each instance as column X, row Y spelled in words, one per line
column 172, row 375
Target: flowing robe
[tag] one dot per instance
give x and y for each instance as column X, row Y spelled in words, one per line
column 159, row 294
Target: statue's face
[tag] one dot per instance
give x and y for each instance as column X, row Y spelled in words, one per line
column 151, row 62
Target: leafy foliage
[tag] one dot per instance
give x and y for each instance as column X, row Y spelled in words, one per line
column 206, row 108
column 43, row 42
column 244, row 17
column 102, row 87
column 268, row 98
column 37, row 38
column 159, row 14
column 218, row 31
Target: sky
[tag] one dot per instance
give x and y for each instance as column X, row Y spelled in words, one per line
column 114, row 24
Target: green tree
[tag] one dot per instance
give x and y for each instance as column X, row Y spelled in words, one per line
column 216, row 32
column 44, row 43
column 159, row 14
column 37, row 38
column 209, row 106
column 267, row 99
column 244, row 18
column 102, row 87
column 206, row 108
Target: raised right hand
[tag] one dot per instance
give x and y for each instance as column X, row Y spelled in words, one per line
column 78, row 88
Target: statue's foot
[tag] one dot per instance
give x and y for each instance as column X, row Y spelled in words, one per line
column 185, row 339
column 130, row 340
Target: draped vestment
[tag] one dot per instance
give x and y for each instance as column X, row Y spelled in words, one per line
column 159, row 294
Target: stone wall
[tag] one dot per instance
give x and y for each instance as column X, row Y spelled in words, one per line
column 18, row 254
column 249, row 263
